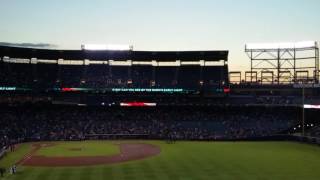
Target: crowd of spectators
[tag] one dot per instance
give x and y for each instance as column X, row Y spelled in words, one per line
column 314, row 132
column 33, row 123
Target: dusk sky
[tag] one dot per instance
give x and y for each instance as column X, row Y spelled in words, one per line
column 161, row 24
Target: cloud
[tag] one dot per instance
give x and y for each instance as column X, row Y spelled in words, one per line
column 29, row 45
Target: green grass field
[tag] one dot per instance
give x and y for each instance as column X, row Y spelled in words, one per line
column 187, row 161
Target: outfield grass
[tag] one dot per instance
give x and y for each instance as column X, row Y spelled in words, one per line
column 76, row 148
column 11, row 158
column 197, row 160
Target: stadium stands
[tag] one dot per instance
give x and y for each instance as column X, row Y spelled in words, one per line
column 47, row 122
column 37, row 84
column 45, row 69
column 315, row 132
column 104, row 76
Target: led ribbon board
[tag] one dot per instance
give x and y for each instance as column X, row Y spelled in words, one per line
column 146, row 90
column 8, row 88
column 309, row 106
column 4, row 88
column 137, row 104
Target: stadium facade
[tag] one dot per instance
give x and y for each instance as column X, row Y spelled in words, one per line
column 39, row 69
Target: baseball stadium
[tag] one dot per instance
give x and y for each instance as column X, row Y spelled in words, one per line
column 111, row 112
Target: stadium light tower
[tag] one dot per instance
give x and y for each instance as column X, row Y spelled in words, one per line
column 101, row 47
column 285, row 62
column 303, row 113
column 304, row 85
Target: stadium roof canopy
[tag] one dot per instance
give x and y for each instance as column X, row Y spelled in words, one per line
column 28, row 53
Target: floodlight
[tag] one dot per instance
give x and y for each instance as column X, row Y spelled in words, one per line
column 114, row 47
column 284, row 45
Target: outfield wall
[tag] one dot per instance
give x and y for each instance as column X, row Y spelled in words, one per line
column 3, row 152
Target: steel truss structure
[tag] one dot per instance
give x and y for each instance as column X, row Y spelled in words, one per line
column 283, row 63
column 235, row 77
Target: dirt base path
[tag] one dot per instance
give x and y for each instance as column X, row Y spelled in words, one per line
column 128, row 152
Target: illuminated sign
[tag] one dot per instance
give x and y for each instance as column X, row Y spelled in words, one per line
column 68, row 89
column 145, row 90
column 8, row 88
column 137, row 104
column 309, row 106
column 226, row 90
column 4, row 88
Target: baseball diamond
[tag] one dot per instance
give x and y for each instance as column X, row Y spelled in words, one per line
column 159, row 160
column 128, row 152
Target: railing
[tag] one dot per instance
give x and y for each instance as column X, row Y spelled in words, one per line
column 116, row 136
column 307, row 139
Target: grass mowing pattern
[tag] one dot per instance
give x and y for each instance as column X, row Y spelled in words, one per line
column 76, row 148
column 200, row 160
